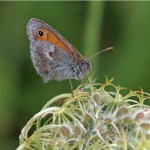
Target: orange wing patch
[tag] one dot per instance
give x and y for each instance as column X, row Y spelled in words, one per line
column 51, row 37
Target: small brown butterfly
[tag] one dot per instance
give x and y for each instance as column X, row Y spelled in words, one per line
column 54, row 58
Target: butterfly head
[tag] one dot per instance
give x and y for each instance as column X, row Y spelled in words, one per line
column 84, row 67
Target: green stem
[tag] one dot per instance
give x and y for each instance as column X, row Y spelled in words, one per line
column 91, row 43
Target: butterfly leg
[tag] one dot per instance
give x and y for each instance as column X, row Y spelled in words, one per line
column 71, row 85
column 87, row 78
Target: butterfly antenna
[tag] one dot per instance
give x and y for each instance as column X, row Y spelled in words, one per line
column 107, row 49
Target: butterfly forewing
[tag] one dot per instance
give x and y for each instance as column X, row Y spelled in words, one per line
column 51, row 35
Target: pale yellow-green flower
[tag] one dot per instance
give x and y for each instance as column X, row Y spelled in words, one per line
column 94, row 117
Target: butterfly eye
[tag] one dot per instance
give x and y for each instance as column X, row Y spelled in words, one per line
column 41, row 33
column 86, row 65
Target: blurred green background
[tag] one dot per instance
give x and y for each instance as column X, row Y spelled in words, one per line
column 90, row 27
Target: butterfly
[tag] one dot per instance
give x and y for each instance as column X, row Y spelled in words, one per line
column 54, row 58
